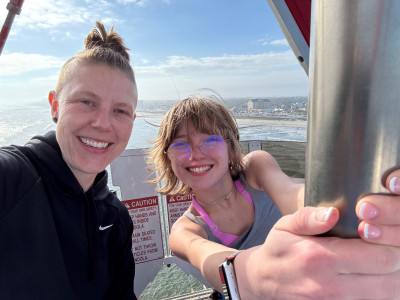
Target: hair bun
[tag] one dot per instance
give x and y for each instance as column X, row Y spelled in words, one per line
column 99, row 37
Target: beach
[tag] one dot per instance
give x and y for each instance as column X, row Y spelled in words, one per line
column 274, row 121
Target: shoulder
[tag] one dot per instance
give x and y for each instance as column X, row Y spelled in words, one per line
column 260, row 167
column 255, row 158
column 17, row 176
column 13, row 159
column 16, row 167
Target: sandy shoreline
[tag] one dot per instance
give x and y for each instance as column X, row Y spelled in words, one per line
column 256, row 121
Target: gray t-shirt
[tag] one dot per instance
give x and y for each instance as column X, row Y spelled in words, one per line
column 266, row 215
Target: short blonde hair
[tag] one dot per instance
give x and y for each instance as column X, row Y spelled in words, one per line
column 207, row 116
column 100, row 48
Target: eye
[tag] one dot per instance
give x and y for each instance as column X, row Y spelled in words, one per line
column 86, row 102
column 212, row 140
column 179, row 145
column 122, row 112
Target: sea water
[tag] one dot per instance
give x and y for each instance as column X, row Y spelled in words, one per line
column 19, row 124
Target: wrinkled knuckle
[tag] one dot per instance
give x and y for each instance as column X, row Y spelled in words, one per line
column 301, row 220
column 314, row 293
column 319, row 292
column 386, row 259
column 315, row 257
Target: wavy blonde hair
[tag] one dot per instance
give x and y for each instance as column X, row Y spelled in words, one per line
column 208, row 115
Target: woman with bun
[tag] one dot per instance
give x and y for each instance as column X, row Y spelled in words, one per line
column 63, row 234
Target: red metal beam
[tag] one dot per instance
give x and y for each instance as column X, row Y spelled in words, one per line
column 14, row 7
column 301, row 12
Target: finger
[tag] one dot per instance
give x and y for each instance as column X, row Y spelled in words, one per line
column 385, row 286
column 391, row 180
column 393, row 184
column 309, row 221
column 379, row 209
column 357, row 256
column 384, row 235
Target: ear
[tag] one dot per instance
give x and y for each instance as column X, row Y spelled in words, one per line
column 134, row 117
column 53, row 104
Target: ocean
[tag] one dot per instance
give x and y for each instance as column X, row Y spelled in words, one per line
column 18, row 124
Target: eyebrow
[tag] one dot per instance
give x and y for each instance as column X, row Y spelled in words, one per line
column 96, row 97
column 88, row 94
column 179, row 139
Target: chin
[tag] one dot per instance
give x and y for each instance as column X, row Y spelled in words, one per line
column 93, row 168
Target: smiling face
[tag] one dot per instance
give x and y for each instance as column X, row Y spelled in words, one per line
column 200, row 169
column 95, row 111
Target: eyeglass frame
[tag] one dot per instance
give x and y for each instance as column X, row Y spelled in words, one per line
column 191, row 148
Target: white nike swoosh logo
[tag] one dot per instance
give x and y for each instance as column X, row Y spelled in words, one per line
column 105, row 227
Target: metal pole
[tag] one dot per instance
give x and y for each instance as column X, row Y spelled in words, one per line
column 354, row 105
column 14, row 7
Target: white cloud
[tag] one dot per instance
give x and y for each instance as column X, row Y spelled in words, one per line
column 267, row 42
column 54, row 14
column 19, row 63
column 234, row 64
column 139, row 3
column 282, row 42
column 268, row 74
column 258, row 75
column 144, row 61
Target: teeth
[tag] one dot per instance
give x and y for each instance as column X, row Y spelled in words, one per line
column 94, row 144
column 199, row 170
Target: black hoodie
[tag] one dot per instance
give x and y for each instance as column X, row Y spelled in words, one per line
column 56, row 241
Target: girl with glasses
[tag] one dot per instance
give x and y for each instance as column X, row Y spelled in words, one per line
column 238, row 202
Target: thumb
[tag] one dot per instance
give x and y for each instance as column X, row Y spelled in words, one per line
column 309, row 221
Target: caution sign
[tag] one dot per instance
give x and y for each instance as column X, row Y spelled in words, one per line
column 147, row 236
column 176, row 206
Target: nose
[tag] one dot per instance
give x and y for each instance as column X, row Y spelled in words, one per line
column 102, row 120
column 196, row 153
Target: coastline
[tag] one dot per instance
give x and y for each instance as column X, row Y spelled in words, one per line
column 247, row 121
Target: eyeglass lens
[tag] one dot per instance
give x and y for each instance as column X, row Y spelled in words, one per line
column 181, row 150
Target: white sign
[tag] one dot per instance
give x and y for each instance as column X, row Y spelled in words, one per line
column 147, row 236
column 176, row 206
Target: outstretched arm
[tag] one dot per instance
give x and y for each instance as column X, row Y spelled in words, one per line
column 189, row 242
column 263, row 172
column 295, row 264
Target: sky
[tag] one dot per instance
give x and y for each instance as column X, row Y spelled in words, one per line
column 234, row 47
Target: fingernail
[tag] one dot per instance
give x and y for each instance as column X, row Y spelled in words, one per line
column 368, row 211
column 371, row 231
column 394, row 185
column 323, row 214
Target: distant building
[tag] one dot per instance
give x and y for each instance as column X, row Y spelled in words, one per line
column 250, row 105
column 257, row 104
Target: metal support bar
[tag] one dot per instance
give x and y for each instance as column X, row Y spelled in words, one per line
column 14, row 7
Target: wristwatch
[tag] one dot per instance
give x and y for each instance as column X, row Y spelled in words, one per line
column 228, row 278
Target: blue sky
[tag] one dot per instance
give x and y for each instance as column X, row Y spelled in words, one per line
column 235, row 47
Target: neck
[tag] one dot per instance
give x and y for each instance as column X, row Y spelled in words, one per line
column 219, row 200
column 85, row 180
